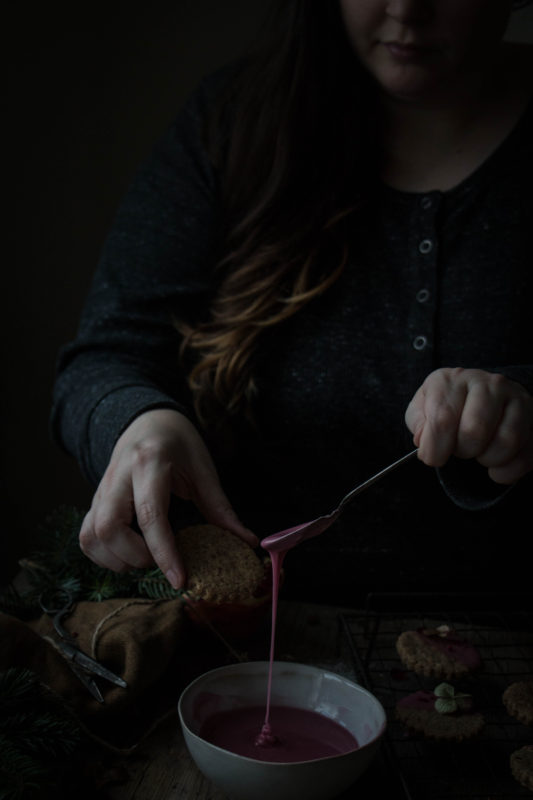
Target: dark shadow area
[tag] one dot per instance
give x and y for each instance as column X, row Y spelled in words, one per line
column 88, row 95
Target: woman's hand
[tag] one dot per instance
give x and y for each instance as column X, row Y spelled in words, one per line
column 159, row 454
column 471, row 413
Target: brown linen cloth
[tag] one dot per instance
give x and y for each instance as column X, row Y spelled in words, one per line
column 149, row 643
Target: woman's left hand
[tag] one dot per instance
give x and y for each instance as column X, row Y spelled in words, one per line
column 471, row 413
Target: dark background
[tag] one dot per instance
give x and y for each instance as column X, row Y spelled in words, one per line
column 89, row 91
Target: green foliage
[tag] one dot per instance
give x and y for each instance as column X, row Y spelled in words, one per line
column 39, row 740
column 21, row 775
column 37, row 737
column 59, row 564
column 449, row 700
column 153, row 584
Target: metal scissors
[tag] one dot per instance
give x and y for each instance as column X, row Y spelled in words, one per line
column 82, row 665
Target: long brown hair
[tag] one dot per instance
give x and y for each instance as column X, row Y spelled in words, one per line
column 292, row 171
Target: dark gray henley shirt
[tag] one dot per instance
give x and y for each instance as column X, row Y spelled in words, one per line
column 439, row 279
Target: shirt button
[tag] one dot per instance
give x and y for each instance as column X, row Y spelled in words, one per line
column 425, row 246
column 420, row 342
column 426, row 202
column 422, row 295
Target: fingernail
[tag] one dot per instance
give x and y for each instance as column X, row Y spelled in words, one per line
column 173, row 578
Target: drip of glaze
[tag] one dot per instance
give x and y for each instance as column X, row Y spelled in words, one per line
column 287, row 734
column 266, row 736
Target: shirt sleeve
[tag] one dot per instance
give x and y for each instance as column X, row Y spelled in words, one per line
column 156, row 266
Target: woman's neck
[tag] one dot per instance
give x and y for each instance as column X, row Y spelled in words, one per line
column 434, row 144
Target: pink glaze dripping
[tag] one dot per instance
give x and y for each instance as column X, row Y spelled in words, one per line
column 277, row 561
column 266, row 738
column 300, row 734
column 277, row 548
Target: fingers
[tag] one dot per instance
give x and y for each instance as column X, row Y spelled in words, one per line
column 152, row 488
column 510, row 454
column 92, row 543
column 509, row 436
column 160, row 454
column 433, row 417
column 481, row 417
column 515, row 469
column 212, row 502
column 473, row 414
column 106, row 536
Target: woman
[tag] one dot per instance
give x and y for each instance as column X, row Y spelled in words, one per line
column 334, row 235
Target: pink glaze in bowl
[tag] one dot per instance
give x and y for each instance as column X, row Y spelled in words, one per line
column 296, row 685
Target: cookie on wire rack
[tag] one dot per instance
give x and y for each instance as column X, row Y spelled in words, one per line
column 443, row 714
column 518, row 700
column 521, row 763
column 437, row 653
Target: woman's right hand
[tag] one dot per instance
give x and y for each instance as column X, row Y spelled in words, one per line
column 160, row 453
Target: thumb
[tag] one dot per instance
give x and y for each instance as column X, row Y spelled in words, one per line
column 222, row 514
column 212, row 502
column 415, row 418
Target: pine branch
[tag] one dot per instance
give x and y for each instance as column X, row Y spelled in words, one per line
column 43, row 732
column 154, row 585
column 16, row 685
column 59, row 565
column 37, row 736
column 21, row 775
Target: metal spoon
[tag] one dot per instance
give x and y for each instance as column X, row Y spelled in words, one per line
column 284, row 540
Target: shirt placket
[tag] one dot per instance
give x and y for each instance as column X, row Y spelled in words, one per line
column 423, row 250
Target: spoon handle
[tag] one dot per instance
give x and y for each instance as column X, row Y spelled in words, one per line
column 277, row 542
column 374, row 478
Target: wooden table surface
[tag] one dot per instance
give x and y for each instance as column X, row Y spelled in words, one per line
column 162, row 768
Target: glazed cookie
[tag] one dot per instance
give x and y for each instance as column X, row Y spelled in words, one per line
column 437, row 652
column 518, row 700
column 444, row 714
column 229, row 587
column 220, row 567
column 521, row 762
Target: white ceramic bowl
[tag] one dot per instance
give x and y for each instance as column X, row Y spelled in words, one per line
column 297, row 685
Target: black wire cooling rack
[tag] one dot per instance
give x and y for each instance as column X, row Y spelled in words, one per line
column 501, row 628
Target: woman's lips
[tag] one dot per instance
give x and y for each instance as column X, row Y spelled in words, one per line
column 406, row 52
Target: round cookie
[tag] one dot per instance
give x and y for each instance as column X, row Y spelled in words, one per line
column 437, row 652
column 228, row 587
column 518, row 700
column 220, row 567
column 521, row 763
column 443, row 714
